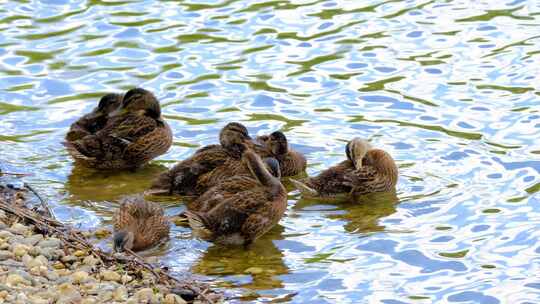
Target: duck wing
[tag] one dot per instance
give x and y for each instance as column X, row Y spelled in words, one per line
column 366, row 180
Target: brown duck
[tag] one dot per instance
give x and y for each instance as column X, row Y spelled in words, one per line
column 237, row 183
column 246, row 215
column 290, row 162
column 366, row 170
column 138, row 225
column 133, row 135
column 95, row 120
column 184, row 177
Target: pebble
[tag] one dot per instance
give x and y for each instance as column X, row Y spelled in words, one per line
column 15, row 280
column 102, row 233
column 18, row 228
column 144, row 295
column 109, row 275
column 4, row 234
column 90, row 260
column 120, row 294
column 4, row 255
column 68, row 294
column 79, row 277
column 19, row 250
column 79, row 253
column 50, row 242
column 33, row 240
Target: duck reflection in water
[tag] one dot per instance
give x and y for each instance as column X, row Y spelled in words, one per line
column 84, row 184
column 263, row 261
column 361, row 214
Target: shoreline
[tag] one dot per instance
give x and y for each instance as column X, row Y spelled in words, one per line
column 45, row 261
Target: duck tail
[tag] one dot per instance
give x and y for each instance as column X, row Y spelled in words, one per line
column 197, row 223
column 303, row 188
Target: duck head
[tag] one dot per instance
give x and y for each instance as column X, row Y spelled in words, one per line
column 356, row 149
column 108, row 103
column 142, row 102
column 123, row 240
column 234, row 136
column 276, row 143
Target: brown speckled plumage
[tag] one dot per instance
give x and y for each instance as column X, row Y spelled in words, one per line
column 245, row 215
column 290, row 161
column 183, row 178
column 140, row 220
column 130, row 138
column 366, row 170
column 97, row 119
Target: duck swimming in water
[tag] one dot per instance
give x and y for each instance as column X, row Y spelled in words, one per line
column 290, row 162
column 95, row 120
column 245, row 215
column 138, row 225
column 133, row 135
column 366, row 170
column 183, row 178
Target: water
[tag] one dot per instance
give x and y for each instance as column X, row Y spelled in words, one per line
column 449, row 88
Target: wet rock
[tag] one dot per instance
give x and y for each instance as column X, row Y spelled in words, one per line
column 109, row 275
column 58, row 265
column 79, row 253
column 68, row 259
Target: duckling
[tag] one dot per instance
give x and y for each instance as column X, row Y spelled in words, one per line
column 134, row 134
column 95, row 120
column 183, row 178
column 246, row 215
column 366, row 170
column 138, row 225
column 291, row 162
column 239, row 182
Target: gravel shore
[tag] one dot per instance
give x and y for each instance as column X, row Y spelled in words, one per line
column 42, row 267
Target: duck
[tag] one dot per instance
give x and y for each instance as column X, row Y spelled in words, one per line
column 241, row 181
column 366, row 170
column 134, row 134
column 96, row 119
column 184, row 177
column 246, row 215
column 290, row 161
column 138, row 224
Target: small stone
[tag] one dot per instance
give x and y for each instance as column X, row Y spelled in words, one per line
column 4, row 234
column 33, row 240
column 30, row 262
column 50, row 242
column 18, row 228
column 38, row 300
column 52, row 276
column 126, row 279
column 4, row 255
column 79, row 253
column 90, row 300
column 20, row 250
column 69, row 259
column 16, row 279
column 120, row 294
column 102, row 233
column 109, row 275
column 173, row 299
column 90, row 260
column 3, row 294
column 58, row 265
column 79, row 277
column 144, row 295
column 105, row 297
column 67, row 293
column 253, row 270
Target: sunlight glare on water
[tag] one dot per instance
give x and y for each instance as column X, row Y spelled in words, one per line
column 449, row 88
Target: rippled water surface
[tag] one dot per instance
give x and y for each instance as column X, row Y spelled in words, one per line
column 450, row 88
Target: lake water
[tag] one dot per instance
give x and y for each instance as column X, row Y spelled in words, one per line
column 449, row 88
